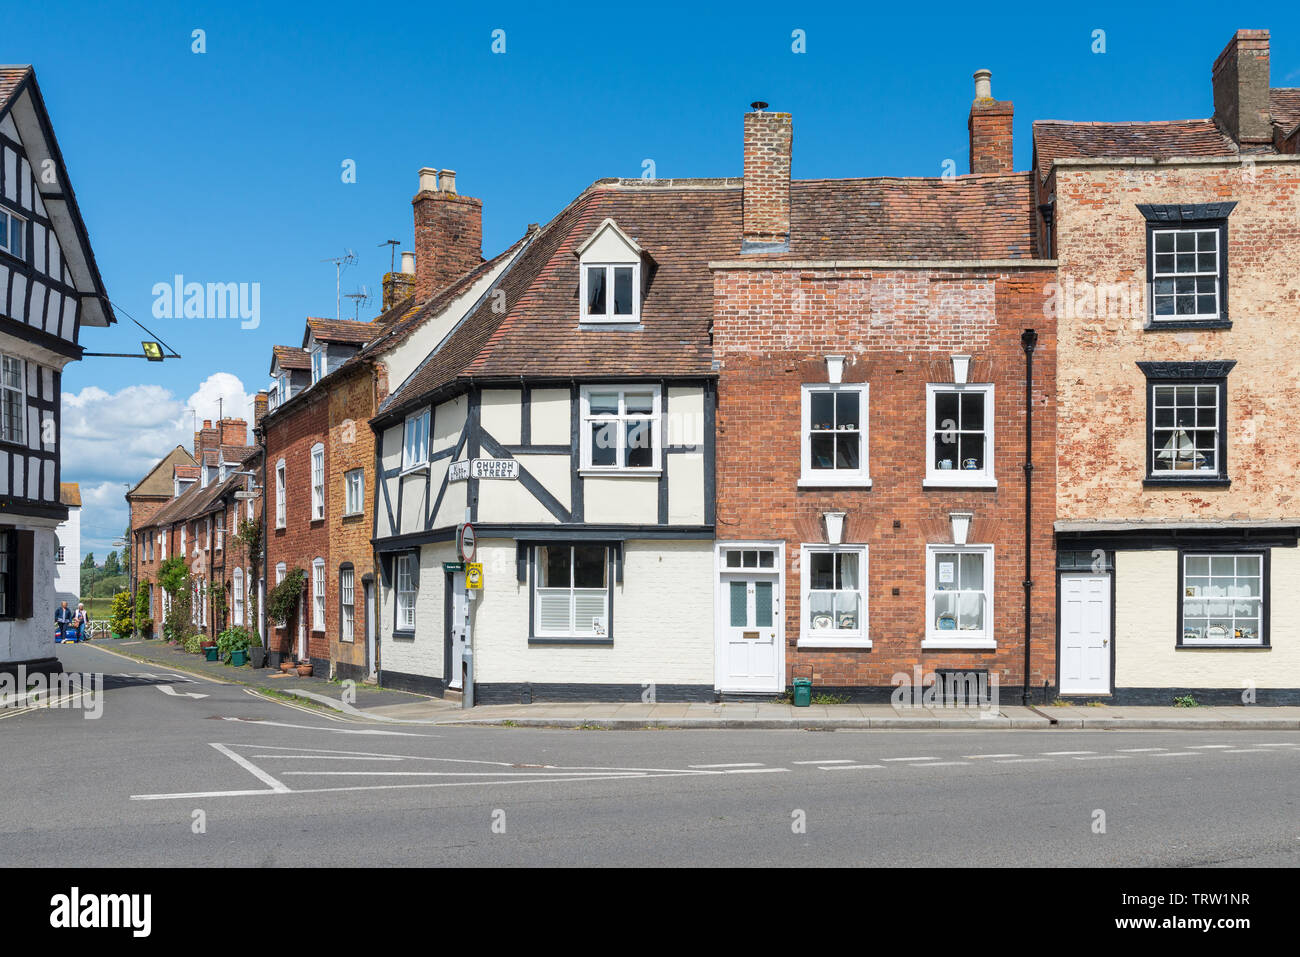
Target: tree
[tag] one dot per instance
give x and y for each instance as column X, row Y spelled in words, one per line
column 89, row 560
column 110, row 564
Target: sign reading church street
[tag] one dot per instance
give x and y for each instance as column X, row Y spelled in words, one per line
column 483, row 469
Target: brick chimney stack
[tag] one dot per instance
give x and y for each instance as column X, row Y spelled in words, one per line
column 234, row 432
column 990, row 129
column 261, row 403
column 204, row 439
column 399, row 285
column 1240, row 79
column 769, row 139
column 448, row 233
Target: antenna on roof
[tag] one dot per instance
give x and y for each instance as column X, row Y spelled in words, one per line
column 392, row 245
column 359, row 298
column 340, row 263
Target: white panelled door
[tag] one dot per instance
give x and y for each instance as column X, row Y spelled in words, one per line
column 751, row 656
column 1085, row 634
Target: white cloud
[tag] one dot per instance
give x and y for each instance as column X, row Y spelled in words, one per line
column 110, row 440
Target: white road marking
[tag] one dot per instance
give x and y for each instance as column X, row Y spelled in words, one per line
column 1208, row 747
column 758, row 771
column 1279, row 744
column 324, row 757
column 1024, row 761
column 984, row 756
column 1064, row 754
column 1177, row 754
column 937, row 764
column 251, row 768
column 710, row 767
column 909, row 759
column 1104, row 757
column 851, row 767
column 169, row 690
column 1141, row 750
column 1248, row 751
column 829, row 761
column 309, row 727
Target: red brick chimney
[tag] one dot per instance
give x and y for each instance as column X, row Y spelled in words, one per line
column 1240, row 79
column 990, row 129
column 234, row 432
column 261, row 402
column 448, row 232
column 204, row 439
column 399, row 285
column 769, row 139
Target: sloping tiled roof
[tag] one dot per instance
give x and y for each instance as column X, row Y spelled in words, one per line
column 968, row 217
column 1284, row 105
column 158, row 480
column 685, row 225
column 290, row 357
column 1165, row 139
column 343, row 330
column 10, row 77
column 70, row 494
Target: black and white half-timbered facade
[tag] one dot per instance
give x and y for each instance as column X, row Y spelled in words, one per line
column 568, row 415
column 49, row 289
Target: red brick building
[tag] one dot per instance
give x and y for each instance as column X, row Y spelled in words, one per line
column 871, row 424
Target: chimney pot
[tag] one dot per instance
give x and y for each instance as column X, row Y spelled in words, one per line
column 428, row 180
column 447, row 180
column 983, row 84
column 408, row 264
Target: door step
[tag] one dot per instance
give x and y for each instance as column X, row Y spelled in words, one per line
column 452, row 694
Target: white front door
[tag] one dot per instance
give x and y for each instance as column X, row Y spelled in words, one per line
column 751, row 633
column 458, row 607
column 1085, row 634
column 369, row 588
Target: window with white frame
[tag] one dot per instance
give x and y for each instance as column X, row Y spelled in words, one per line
column 162, row 544
column 237, row 594
column 1185, row 274
column 59, row 554
column 184, row 554
column 621, row 428
column 354, row 491
column 1223, row 601
column 318, row 594
column 415, row 443
column 959, row 590
column 959, row 435
column 571, row 591
column 221, row 537
column 317, row 364
column 280, row 572
column 249, row 488
column 13, row 399
column 317, row 482
column 207, row 534
column 404, row 575
column 347, row 603
column 279, row 494
column 834, row 441
column 13, row 233
column 611, row 292
column 834, row 589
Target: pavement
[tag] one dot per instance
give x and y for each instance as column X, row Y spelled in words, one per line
column 399, row 707
column 181, row 770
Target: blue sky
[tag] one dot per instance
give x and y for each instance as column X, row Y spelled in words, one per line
column 226, row 166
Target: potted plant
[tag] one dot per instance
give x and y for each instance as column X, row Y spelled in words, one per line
column 233, row 645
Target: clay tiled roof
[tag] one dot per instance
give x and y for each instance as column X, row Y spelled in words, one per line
column 70, row 494
column 290, row 357
column 342, row 330
column 1166, row 139
column 10, row 77
column 969, row 217
column 158, row 481
column 683, row 225
column 1284, row 105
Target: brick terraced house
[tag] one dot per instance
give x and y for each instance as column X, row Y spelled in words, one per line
column 871, row 424
column 1178, row 521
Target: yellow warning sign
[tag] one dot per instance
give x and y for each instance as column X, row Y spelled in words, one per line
column 474, row 575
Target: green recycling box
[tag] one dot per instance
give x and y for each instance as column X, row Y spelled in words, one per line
column 802, row 692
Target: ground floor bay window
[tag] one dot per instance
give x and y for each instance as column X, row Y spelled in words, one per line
column 572, row 595
column 959, row 590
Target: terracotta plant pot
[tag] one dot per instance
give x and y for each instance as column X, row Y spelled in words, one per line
column 304, row 671
column 286, row 665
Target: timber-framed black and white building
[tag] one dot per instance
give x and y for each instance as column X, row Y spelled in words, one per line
column 50, row 288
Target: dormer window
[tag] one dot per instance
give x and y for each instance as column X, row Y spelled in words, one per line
column 610, row 269
column 317, row 364
column 609, row 293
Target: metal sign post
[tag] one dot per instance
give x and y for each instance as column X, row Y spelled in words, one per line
column 466, row 546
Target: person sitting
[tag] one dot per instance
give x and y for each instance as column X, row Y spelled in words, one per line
column 62, row 621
